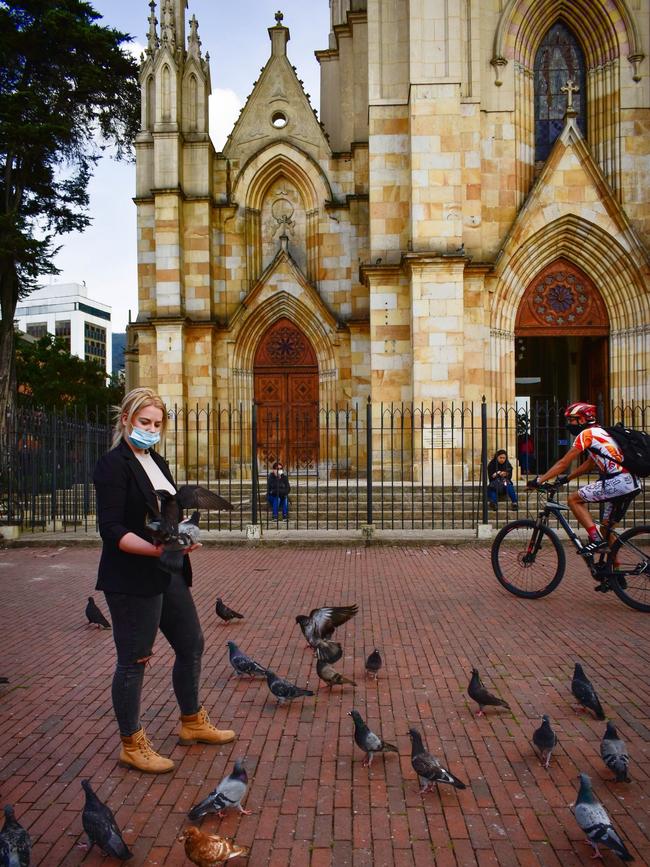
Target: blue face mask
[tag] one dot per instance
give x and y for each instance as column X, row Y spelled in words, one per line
column 143, row 439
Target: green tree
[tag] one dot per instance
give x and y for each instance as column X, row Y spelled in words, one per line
column 68, row 90
column 50, row 377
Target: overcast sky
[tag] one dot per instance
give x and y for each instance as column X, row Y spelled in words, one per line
column 235, row 35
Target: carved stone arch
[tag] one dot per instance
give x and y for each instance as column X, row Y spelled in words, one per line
column 282, row 305
column 607, row 33
column 621, row 283
column 195, row 107
column 269, row 166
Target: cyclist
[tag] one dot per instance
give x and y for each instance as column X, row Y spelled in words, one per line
column 616, row 487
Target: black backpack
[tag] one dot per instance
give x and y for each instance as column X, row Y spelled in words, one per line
column 635, row 445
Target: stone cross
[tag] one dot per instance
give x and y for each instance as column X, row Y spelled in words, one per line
column 570, row 88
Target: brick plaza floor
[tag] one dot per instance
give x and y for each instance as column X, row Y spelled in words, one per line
column 433, row 612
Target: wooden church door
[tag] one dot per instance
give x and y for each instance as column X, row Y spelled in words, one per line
column 286, row 392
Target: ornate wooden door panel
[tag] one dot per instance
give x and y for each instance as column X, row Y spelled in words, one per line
column 286, row 391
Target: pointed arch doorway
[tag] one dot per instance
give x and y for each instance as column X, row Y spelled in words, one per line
column 562, row 338
column 285, row 374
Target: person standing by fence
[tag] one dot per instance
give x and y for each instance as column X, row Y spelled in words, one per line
column 277, row 490
column 141, row 597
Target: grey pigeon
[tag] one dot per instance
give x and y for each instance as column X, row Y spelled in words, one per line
column 321, row 622
column 186, row 534
column 374, row 663
column 328, row 651
column 614, row 753
column 230, row 792
column 95, row 616
column 481, row 696
column 592, row 817
column 584, row 692
column 226, row 613
column 243, row 664
column 367, row 740
column 100, row 826
column 15, row 842
column 329, row 675
column 282, row 689
column 545, row 740
column 428, row 768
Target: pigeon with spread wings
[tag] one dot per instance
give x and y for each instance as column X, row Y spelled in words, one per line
column 320, row 623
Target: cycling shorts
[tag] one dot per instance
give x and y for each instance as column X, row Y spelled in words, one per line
column 618, row 491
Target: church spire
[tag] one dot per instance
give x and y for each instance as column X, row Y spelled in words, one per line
column 168, row 25
column 152, row 37
column 193, row 41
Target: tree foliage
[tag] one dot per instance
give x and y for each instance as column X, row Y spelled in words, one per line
column 50, row 377
column 68, row 89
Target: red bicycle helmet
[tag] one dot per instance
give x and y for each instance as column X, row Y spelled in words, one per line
column 588, row 410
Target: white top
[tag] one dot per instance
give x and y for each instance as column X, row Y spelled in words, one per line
column 156, row 476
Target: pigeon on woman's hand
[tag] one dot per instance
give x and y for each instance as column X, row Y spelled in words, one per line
column 99, row 824
column 592, row 817
column 367, row 740
column 374, row 663
column 209, row 850
column 230, row 792
column 428, row 768
column 583, row 691
column 15, row 842
column 614, row 754
column 545, row 739
column 243, row 664
column 226, row 613
column 321, row 622
column 95, row 616
column 481, row 696
column 282, row 689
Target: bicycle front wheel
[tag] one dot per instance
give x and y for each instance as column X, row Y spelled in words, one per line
column 528, row 560
column 629, row 560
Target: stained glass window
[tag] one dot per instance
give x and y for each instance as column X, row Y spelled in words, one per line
column 558, row 59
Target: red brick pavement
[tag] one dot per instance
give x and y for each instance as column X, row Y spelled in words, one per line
column 433, row 612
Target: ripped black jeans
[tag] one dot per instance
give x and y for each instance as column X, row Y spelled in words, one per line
column 136, row 620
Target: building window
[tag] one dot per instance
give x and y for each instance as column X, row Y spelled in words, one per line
column 95, row 343
column 558, row 59
column 62, row 332
column 36, row 329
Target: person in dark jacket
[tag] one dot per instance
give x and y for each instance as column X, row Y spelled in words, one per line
column 141, row 597
column 500, row 480
column 277, row 490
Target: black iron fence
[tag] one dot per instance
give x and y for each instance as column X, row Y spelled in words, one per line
column 395, row 466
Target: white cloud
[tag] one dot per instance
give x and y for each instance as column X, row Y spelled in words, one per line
column 135, row 48
column 223, row 108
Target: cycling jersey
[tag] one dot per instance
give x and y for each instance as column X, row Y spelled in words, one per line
column 605, row 448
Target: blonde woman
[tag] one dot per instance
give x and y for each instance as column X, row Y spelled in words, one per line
column 143, row 598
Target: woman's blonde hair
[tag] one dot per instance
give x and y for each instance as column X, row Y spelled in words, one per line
column 131, row 404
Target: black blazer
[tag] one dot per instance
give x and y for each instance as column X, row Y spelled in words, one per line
column 125, row 502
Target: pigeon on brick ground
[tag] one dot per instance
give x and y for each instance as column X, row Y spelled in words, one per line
column 321, row 622
column 243, row 664
column 328, row 651
column 367, row 740
column 374, row 663
column 545, row 739
column 95, row 616
column 226, row 613
column 329, row 675
column 614, row 753
column 584, row 692
column 99, row 824
column 428, row 768
column 282, row 689
column 592, row 817
column 481, row 696
column 230, row 792
column 15, row 842
column 209, row 850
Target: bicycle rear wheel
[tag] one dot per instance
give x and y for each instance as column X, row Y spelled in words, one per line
column 630, row 554
column 528, row 560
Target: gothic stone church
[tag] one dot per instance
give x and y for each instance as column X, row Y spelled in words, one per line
column 468, row 216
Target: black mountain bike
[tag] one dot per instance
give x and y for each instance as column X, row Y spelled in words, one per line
column 529, row 560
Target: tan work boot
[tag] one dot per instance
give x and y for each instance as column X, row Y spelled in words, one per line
column 197, row 728
column 138, row 752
